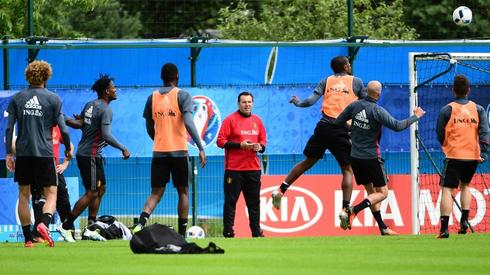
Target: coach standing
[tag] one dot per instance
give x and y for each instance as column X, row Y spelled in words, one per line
column 242, row 135
column 36, row 110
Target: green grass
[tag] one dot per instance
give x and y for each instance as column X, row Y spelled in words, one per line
column 460, row 254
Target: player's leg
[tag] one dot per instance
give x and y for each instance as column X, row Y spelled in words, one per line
column 314, row 151
column 88, row 172
column 180, row 170
column 375, row 210
column 160, row 176
column 371, row 174
column 339, row 145
column 467, row 172
column 183, row 208
column 37, row 201
column 46, row 174
column 232, row 186
column 24, row 213
column 251, row 194
column 94, row 205
column 449, row 181
column 63, row 206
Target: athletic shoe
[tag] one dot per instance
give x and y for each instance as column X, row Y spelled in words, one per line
column 66, row 234
column 464, row 227
column 442, row 235
column 137, row 228
column 93, row 235
column 43, row 230
column 346, row 217
column 388, row 232
column 28, row 244
column 38, row 239
column 276, row 199
column 260, row 234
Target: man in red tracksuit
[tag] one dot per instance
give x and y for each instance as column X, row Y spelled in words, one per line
column 242, row 135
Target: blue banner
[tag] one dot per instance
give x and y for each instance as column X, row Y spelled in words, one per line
column 288, row 127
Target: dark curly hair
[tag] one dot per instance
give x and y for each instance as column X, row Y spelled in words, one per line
column 102, row 83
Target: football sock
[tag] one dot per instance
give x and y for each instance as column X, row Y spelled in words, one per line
column 47, row 217
column 284, row 187
column 68, row 223
column 358, row 208
column 143, row 218
column 444, row 223
column 464, row 215
column 379, row 220
column 26, row 230
column 182, row 226
column 345, row 204
column 91, row 220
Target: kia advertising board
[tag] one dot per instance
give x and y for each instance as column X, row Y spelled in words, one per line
column 311, row 207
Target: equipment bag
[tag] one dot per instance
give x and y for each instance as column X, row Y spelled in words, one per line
column 161, row 239
column 110, row 228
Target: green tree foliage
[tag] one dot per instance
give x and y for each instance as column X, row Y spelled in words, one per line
column 177, row 18
column 434, row 19
column 297, row 20
column 106, row 20
column 68, row 19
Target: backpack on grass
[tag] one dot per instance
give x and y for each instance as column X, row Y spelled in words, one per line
column 161, row 239
column 110, row 228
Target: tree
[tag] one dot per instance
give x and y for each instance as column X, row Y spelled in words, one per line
column 297, row 20
column 106, row 20
column 177, row 18
column 69, row 19
column 50, row 17
column 434, row 19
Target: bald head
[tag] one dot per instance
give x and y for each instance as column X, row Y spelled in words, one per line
column 374, row 89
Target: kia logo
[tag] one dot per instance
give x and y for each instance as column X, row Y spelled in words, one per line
column 300, row 209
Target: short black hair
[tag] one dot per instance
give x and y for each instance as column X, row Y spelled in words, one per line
column 102, row 84
column 461, row 85
column 337, row 64
column 169, row 72
column 245, row 93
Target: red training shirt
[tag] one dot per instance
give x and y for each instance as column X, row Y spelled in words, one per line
column 237, row 128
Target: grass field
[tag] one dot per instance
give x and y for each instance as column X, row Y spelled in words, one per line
column 460, row 254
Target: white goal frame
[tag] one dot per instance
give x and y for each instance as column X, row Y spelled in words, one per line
column 413, row 57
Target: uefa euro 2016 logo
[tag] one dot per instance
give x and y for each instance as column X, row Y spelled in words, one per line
column 207, row 119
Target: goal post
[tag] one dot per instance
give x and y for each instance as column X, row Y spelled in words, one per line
column 431, row 76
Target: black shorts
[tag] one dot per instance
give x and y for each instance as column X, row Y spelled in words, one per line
column 332, row 137
column 369, row 171
column 457, row 170
column 162, row 167
column 92, row 172
column 37, row 171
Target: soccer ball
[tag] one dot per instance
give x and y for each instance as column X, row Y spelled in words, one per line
column 462, row 16
column 195, row 232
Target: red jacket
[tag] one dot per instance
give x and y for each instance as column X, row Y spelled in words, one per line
column 237, row 128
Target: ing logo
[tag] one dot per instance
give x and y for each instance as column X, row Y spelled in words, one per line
column 207, row 119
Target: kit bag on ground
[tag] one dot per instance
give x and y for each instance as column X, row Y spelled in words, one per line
column 161, row 239
column 110, row 228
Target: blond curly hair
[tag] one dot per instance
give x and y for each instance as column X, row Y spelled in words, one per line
column 38, row 72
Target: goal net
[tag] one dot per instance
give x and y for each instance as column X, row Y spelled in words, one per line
column 431, row 78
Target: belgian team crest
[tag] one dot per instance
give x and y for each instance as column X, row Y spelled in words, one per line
column 207, row 119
